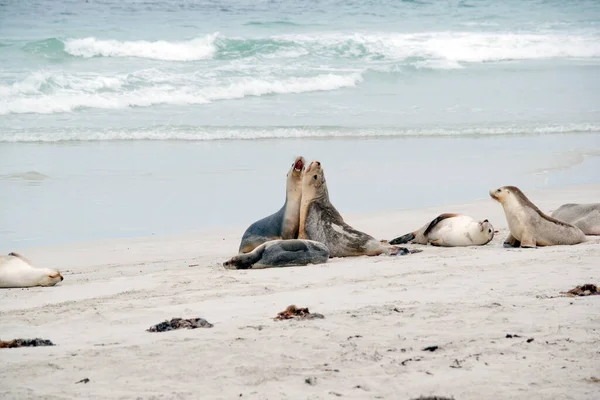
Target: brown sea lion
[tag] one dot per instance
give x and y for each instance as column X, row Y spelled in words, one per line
column 320, row 221
column 530, row 227
column 284, row 223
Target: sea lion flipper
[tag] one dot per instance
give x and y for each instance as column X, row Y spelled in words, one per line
column 511, row 241
column 403, row 239
column 527, row 240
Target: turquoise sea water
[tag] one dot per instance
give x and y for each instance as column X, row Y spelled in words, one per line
column 191, row 85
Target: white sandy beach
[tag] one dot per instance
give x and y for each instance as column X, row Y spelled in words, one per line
column 380, row 312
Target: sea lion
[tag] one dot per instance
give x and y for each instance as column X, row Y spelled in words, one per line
column 17, row 272
column 584, row 216
column 284, row 223
column 530, row 227
column 281, row 253
column 451, row 230
column 320, row 221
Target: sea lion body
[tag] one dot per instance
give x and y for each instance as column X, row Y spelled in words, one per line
column 320, row 221
column 530, row 227
column 284, row 223
column 17, row 272
column 451, row 230
column 584, row 216
column 281, row 253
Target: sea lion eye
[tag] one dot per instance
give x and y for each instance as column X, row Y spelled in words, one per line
column 489, row 231
column 315, row 177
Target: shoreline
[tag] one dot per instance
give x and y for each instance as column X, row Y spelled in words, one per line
column 232, row 232
column 380, row 312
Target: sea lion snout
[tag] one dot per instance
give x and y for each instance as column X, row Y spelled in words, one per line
column 494, row 193
column 313, row 165
column 299, row 163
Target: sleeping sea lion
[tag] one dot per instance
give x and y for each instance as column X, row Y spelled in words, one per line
column 451, row 230
column 281, row 253
column 17, row 272
column 584, row 216
column 284, row 223
column 530, row 227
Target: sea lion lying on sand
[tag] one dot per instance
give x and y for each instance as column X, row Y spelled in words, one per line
column 451, row 230
column 320, row 221
column 284, row 223
column 530, row 227
column 17, row 272
column 281, row 253
column 584, row 216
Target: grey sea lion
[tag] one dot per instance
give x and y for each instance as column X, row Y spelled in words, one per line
column 451, row 230
column 284, row 223
column 530, row 227
column 320, row 221
column 281, row 253
column 584, row 216
column 17, row 272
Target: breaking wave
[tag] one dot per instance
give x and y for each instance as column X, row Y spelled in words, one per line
column 208, row 133
column 44, row 93
column 461, row 47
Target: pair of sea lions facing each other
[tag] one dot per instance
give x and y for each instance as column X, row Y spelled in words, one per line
column 17, row 271
column 317, row 226
column 528, row 225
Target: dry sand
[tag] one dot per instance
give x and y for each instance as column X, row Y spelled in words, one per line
column 380, row 312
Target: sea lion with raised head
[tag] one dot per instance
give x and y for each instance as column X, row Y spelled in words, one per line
column 584, row 216
column 284, row 223
column 530, row 227
column 17, row 272
column 320, row 221
column 281, row 253
column 451, row 230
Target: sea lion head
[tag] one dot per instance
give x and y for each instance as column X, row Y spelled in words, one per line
column 50, row 277
column 501, row 194
column 313, row 182
column 294, row 175
column 487, row 230
column 507, row 195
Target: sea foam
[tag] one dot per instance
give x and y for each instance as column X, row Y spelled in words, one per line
column 196, row 49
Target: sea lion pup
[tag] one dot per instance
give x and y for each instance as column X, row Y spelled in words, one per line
column 17, row 272
column 451, row 230
column 284, row 223
column 529, row 227
column 281, row 253
column 584, row 216
column 320, row 221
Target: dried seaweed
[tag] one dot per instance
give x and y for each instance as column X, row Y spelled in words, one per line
column 293, row 312
column 180, row 323
column 25, row 343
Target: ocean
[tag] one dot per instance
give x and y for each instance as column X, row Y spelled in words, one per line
column 134, row 118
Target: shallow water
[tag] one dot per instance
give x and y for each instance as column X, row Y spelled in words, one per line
column 55, row 193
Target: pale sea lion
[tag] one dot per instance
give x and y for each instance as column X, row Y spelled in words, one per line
column 530, row 227
column 320, row 221
column 284, row 223
column 281, row 253
column 451, row 230
column 17, row 272
column 584, row 216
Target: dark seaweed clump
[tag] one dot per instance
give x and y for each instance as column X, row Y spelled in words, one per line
column 10, row 344
column 180, row 323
